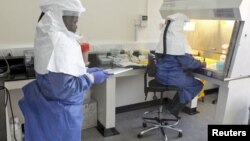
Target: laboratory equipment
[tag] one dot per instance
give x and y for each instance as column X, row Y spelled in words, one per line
column 4, row 70
column 215, row 42
column 217, row 31
column 114, row 52
column 29, row 62
column 104, row 61
column 218, row 24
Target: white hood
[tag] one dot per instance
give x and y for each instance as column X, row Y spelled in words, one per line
column 176, row 39
column 56, row 49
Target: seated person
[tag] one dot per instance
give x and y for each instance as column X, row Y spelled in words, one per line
column 173, row 56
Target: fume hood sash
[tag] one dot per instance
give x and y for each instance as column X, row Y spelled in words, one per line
column 203, row 9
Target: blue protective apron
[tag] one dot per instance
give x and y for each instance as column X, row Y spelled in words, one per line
column 170, row 72
column 49, row 120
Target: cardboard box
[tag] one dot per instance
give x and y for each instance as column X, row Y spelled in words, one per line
column 90, row 114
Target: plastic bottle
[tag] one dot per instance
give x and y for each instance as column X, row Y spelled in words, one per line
column 223, row 56
column 18, row 130
column 85, row 52
column 224, row 52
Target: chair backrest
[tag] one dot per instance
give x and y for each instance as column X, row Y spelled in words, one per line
column 150, row 72
column 151, row 67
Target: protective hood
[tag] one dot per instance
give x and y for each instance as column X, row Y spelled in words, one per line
column 177, row 43
column 69, row 5
column 56, row 49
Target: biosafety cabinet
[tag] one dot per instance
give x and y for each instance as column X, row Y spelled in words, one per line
column 218, row 32
column 214, row 42
column 214, row 31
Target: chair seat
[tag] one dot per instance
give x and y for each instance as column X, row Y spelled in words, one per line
column 154, row 86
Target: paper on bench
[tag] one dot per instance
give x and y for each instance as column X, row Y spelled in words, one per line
column 117, row 70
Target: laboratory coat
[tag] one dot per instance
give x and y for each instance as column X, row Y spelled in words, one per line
column 52, row 107
column 171, row 71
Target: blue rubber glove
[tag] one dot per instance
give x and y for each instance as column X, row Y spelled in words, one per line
column 94, row 69
column 100, row 76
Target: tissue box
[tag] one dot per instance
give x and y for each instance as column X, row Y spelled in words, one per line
column 90, row 114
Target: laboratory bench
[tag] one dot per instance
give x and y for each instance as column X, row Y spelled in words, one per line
column 105, row 94
column 116, row 94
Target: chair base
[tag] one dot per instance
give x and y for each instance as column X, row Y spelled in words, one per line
column 159, row 123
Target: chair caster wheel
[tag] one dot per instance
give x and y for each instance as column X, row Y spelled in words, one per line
column 139, row 136
column 144, row 125
column 180, row 134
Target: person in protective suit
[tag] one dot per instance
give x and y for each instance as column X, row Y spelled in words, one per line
column 173, row 57
column 52, row 104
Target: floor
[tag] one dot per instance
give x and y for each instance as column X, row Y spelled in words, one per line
column 129, row 124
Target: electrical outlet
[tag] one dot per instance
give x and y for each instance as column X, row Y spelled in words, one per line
column 6, row 52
